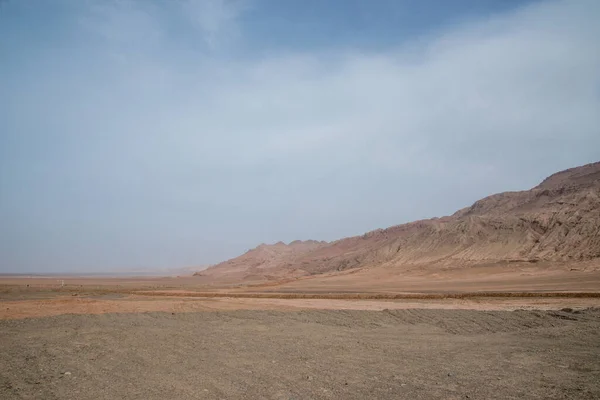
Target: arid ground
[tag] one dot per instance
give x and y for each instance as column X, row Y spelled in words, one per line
column 158, row 338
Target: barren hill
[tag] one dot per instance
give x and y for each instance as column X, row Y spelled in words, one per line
column 264, row 261
column 557, row 221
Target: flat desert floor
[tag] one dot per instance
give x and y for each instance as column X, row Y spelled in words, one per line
column 170, row 338
column 327, row 354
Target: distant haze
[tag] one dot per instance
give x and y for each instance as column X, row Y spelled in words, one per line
column 167, row 134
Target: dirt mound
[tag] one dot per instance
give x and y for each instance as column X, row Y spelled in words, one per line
column 557, row 221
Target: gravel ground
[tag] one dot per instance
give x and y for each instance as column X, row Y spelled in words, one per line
column 411, row 354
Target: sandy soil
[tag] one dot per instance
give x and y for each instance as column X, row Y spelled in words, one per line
column 498, row 278
column 90, row 296
column 411, row 354
column 583, row 276
column 23, row 297
column 100, row 304
column 155, row 338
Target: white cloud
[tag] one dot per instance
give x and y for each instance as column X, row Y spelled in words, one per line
column 217, row 19
column 316, row 145
column 125, row 24
column 505, row 83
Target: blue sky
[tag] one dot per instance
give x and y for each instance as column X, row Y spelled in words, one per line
column 140, row 134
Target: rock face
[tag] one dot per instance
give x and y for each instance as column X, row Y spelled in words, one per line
column 558, row 220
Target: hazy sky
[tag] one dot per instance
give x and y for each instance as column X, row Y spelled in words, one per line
column 170, row 133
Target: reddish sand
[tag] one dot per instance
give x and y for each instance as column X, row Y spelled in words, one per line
column 133, row 304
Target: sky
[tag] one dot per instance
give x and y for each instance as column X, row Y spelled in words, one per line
column 140, row 134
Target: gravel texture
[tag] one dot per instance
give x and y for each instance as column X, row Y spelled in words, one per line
column 411, row 354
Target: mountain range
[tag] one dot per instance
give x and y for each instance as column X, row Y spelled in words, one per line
column 557, row 221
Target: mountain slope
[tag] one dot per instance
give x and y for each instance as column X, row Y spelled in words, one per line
column 558, row 220
column 264, row 261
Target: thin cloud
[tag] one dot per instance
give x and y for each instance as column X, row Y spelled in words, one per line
column 177, row 157
column 216, row 19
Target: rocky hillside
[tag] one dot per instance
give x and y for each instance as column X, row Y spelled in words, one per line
column 558, row 220
column 264, row 261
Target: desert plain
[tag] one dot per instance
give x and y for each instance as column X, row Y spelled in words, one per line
column 67, row 337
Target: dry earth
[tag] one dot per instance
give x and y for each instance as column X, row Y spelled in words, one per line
column 51, row 304
column 500, row 277
column 490, row 288
column 91, row 341
column 410, row 354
